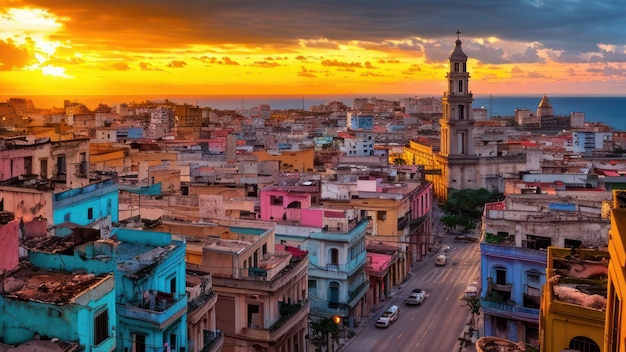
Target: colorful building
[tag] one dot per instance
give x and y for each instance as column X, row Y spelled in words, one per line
column 573, row 301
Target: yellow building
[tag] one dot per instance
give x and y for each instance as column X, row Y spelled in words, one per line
column 290, row 160
column 573, row 302
column 615, row 328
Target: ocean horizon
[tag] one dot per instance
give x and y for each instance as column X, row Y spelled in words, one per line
column 605, row 109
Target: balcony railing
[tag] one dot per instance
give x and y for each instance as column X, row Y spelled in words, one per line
column 282, row 325
column 502, row 288
column 211, row 339
column 518, row 312
column 155, row 311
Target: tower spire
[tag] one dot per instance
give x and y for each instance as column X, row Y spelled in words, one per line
column 458, row 33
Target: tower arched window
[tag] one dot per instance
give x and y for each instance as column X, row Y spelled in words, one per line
column 456, row 67
column 465, row 67
column 461, row 110
column 460, row 86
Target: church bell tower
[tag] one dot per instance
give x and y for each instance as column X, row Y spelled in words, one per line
column 457, row 122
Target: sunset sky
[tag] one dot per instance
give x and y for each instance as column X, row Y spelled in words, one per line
column 113, row 47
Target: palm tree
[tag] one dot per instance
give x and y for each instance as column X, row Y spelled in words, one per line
column 325, row 327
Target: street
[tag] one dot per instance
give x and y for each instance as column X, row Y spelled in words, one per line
column 436, row 324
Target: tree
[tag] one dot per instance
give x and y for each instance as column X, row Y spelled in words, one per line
column 325, row 327
column 465, row 207
column 399, row 161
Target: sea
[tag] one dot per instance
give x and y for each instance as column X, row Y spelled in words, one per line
column 610, row 110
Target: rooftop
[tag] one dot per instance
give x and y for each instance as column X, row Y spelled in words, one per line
column 29, row 283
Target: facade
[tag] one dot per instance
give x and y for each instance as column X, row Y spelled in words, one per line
column 451, row 162
column 515, row 235
column 32, row 304
column 360, row 122
column 615, row 326
column 202, row 332
column 574, row 299
column 148, row 283
column 262, row 302
column 589, row 141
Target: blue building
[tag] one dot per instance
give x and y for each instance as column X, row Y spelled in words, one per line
column 358, row 122
column 84, row 205
column 37, row 302
column 150, row 302
column 515, row 236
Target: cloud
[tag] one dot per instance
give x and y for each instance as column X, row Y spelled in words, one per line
column 337, row 63
column 228, row 61
column 146, row 66
column 412, row 70
column 265, row 64
column 120, row 66
column 306, row 73
column 12, row 56
column 177, row 64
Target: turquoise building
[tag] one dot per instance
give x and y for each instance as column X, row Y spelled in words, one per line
column 148, row 304
column 84, row 205
column 46, row 304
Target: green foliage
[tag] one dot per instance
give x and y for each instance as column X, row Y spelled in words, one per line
column 399, row 161
column 474, row 304
column 324, row 327
column 465, row 207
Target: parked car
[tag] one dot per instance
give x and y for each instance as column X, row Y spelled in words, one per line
column 388, row 317
column 471, row 290
column 416, row 297
column 441, row 259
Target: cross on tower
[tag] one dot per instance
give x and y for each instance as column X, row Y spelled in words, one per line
column 458, row 32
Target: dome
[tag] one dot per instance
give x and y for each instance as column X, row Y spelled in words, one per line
column 457, row 53
column 545, row 103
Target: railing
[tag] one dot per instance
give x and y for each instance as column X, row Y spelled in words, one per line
column 210, row 339
column 199, row 301
column 502, row 288
column 524, row 313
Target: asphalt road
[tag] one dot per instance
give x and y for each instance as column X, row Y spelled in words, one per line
column 436, row 324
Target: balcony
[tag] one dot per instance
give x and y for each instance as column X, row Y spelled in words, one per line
column 160, row 311
column 502, row 288
column 296, row 315
column 213, row 341
column 509, row 310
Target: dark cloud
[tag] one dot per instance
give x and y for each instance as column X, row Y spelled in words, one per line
column 265, row 64
column 571, row 27
column 120, row 66
column 337, row 63
column 177, row 64
column 12, row 56
column 306, row 73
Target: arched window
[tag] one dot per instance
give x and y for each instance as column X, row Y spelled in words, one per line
column 333, row 295
column 583, row 344
column 461, row 110
column 333, row 259
column 460, row 86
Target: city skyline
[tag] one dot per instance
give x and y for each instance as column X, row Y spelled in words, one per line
column 294, row 47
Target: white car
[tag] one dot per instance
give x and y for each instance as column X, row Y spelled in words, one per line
column 416, row 297
column 441, row 260
column 388, row 317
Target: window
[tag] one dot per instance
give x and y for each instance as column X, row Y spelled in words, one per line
column 101, row 327
column 28, row 165
column 43, row 168
column 461, row 112
column 583, row 344
column 456, row 67
column 82, row 165
column 460, row 86
column 173, row 285
column 536, row 242
column 67, row 217
column 90, row 213
column 61, row 165
column 139, row 342
column 276, row 200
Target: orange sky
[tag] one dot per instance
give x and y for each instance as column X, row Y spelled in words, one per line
column 63, row 47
